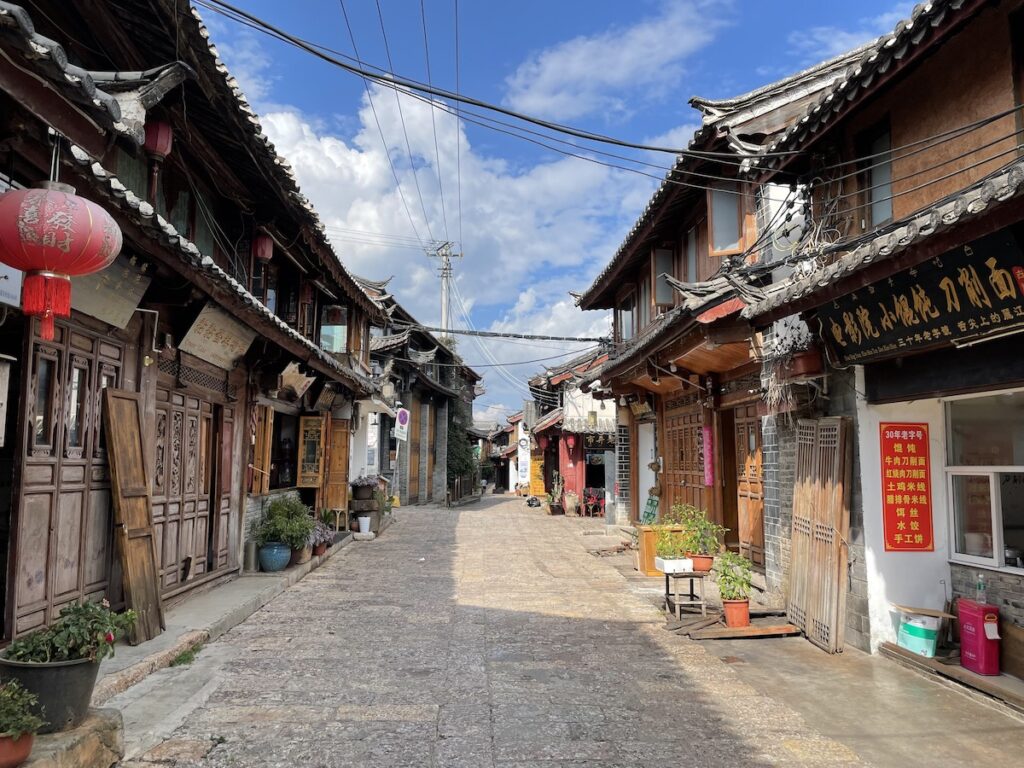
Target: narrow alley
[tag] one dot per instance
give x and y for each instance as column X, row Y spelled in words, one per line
column 486, row 636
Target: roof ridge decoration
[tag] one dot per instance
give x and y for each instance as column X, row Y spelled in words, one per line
column 998, row 187
column 879, row 58
column 157, row 227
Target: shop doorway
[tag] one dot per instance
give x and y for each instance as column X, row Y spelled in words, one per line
column 749, row 484
column 12, row 336
column 684, row 453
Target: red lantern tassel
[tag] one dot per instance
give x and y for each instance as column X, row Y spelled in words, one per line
column 46, row 295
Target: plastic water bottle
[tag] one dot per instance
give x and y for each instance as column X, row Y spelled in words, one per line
column 981, row 594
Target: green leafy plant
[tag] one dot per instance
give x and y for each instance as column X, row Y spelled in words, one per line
column 557, row 487
column 735, row 576
column 322, row 533
column 702, row 536
column 288, row 521
column 17, row 707
column 671, row 544
column 84, row 630
column 186, row 657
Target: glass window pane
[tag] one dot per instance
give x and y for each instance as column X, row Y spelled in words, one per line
column 691, row 256
column 725, row 218
column 625, row 317
column 44, row 396
column 334, row 330
column 1011, row 502
column 880, row 179
column 972, row 511
column 76, row 408
column 987, row 431
column 662, row 266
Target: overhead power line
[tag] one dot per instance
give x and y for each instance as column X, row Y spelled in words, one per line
column 503, row 334
column 433, row 123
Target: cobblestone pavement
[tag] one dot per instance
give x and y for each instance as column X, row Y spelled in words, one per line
column 483, row 636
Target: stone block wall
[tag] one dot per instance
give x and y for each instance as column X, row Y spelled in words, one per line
column 424, row 449
column 402, row 465
column 779, row 445
column 440, row 448
column 1005, row 590
column 255, row 508
column 843, row 402
column 622, row 475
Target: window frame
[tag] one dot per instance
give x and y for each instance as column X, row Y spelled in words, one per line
column 866, row 199
column 659, row 306
column 740, row 192
column 996, row 562
column 620, row 297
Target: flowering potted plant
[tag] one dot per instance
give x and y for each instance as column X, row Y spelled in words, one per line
column 18, row 723
column 321, row 537
column 734, row 584
column 284, row 534
column 362, row 487
column 58, row 664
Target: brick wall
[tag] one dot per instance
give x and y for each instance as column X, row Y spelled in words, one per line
column 1003, row 589
column 779, row 445
column 843, row 402
column 622, row 476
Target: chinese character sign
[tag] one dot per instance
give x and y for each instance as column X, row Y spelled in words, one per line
column 906, row 488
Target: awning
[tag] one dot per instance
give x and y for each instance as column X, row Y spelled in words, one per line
column 552, row 419
column 376, row 405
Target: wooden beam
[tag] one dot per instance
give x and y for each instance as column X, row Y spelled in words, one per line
column 735, row 633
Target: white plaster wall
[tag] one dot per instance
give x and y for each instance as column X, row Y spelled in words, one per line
column 645, row 454
column 357, row 449
column 920, row 579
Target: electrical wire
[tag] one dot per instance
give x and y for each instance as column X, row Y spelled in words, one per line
column 492, row 365
column 401, row 117
column 458, row 121
column 433, row 123
column 373, row 109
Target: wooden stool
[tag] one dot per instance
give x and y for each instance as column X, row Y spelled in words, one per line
column 676, row 602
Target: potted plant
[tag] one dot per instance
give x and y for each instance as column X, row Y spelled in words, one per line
column 321, row 537
column 671, row 547
column 58, row 664
column 703, row 536
column 284, row 534
column 557, row 486
column 734, row 584
column 363, row 486
column 18, row 723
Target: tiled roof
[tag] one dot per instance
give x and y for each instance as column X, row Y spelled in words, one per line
column 548, row 420
column 877, row 61
column 981, row 197
column 47, row 57
column 158, row 228
column 384, row 343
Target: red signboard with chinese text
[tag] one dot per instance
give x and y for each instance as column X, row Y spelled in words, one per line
column 906, row 488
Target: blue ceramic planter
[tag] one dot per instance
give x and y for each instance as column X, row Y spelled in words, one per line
column 274, row 556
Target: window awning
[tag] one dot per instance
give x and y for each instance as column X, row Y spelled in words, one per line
column 376, row 405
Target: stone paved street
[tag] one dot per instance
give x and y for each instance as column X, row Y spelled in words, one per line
column 484, row 636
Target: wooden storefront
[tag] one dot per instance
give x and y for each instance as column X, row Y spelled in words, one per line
column 683, row 454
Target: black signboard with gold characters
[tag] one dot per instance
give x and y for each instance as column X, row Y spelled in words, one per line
column 967, row 293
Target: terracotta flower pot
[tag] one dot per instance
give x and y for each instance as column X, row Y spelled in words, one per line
column 14, row 752
column 702, row 562
column 320, row 549
column 737, row 613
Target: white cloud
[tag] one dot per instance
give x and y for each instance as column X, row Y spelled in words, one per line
column 601, row 73
column 826, row 42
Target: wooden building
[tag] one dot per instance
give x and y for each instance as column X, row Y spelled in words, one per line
column 227, row 311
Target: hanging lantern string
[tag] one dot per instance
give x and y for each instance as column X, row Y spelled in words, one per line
column 55, row 156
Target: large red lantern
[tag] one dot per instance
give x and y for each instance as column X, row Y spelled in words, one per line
column 50, row 234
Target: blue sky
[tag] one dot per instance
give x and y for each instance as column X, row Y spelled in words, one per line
column 534, row 224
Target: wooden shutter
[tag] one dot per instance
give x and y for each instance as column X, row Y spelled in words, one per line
column 133, row 510
column 262, row 442
column 336, row 485
column 311, row 451
column 821, row 526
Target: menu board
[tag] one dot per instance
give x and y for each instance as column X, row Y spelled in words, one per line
column 906, row 488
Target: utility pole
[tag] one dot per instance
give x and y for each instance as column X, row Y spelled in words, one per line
column 444, row 253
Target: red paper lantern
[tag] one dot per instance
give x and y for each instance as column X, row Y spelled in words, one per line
column 543, row 440
column 159, row 138
column 263, row 248
column 50, row 234
column 571, row 441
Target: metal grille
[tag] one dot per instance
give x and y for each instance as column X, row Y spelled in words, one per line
column 189, row 375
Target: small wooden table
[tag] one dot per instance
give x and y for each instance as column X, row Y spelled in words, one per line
column 675, row 601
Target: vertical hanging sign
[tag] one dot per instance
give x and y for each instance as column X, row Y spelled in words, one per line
column 906, row 488
column 709, row 455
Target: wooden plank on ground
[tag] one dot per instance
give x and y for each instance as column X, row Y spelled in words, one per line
column 754, row 630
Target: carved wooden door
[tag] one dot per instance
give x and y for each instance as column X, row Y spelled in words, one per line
column 186, row 451
column 63, row 532
column 750, row 484
column 684, row 458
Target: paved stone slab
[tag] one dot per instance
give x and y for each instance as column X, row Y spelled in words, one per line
column 486, row 636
